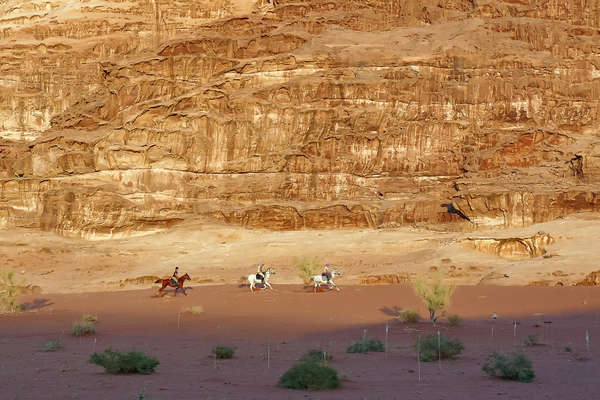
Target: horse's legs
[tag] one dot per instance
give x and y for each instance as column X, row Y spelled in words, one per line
column 269, row 285
column 252, row 286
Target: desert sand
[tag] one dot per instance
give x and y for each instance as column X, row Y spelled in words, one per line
column 106, row 279
column 218, row 254
column 287, row 322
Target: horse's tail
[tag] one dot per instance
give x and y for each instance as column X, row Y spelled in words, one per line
column 158, row 281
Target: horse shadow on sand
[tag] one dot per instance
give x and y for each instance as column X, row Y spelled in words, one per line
column 393, row 311
column 170, row 290
column 36, row 304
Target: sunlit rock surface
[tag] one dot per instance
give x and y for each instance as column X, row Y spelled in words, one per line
column 515, row 248
column 125, row 117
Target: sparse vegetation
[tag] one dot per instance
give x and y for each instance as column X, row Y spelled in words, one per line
column 307, row 267
column 532, row 340
column 455, row 320
column 83, row 329
column 196, row 310
column 223, row 352
column 310, row 375
column 366, row 346
column 513, row 366
column 9, row 290
column 568, row 349
column 132, row 362
column 430, row 351
column 52, row 345
column 87, row 326
column 316, row 355
column 436, row 295
column 408, row 316
column 90, row 319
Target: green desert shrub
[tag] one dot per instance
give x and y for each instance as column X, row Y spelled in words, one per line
column 436, row 295
column 223, row 352
column 316, row 355
column 52, row 345
column 513, row 366
column 455, row 320
column 87, row 326
column 9, row 290
column 132, row 362
column 310, row 375
column 83, row 329
column 408, row 316
column 365, row 346
column 531, row 340
column 448, row 348
column 307, row 267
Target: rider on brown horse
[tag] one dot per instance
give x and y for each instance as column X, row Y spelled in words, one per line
column 175, row 276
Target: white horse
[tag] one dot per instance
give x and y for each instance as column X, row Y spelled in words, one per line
column 252, row 279
column 319, row 279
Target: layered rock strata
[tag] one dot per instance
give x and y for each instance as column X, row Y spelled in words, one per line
column 514, row 248
column 125, row 117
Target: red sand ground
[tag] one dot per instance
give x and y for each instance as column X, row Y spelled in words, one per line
column 292, row 321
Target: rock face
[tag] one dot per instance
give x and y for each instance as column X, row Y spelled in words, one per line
column 591, row 279
column 124, row 117
column 514, row 248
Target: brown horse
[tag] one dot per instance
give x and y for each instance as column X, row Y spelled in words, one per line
column 179, row 285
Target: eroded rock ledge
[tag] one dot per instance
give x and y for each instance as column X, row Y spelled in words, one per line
column 513, row 248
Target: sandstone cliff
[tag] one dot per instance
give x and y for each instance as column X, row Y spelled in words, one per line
column 119, row 117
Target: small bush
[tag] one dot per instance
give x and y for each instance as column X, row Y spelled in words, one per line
column 316, row 356
column 9, row 290
column 455, row 320
column 513, row 366
column 83, row 329
column 568, row 349
column 223, row 352
column 197, row 310
column 365, row 346
column 307, row 267
column 52, row 345
column 90, row 319
column 408, row 316
column 448, row 348
column 132, row 362
column 532, row 340
column 308, row 375
column 87, row 326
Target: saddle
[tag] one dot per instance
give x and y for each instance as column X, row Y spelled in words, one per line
column 327, row 277
column 260, row 277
